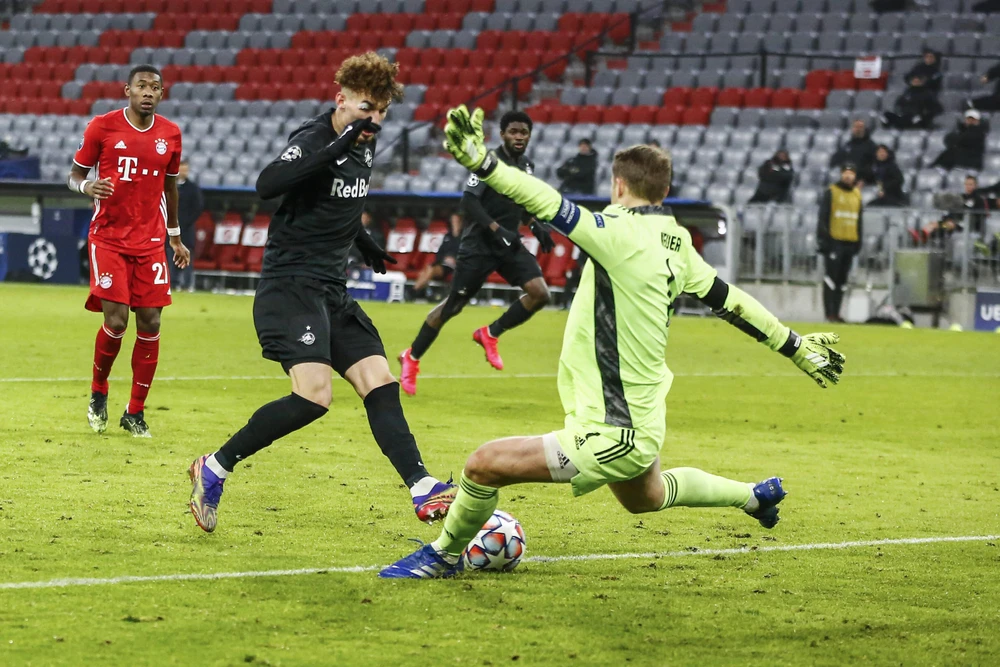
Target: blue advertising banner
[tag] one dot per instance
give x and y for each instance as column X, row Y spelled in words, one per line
column 987, row 310
column 41, row 259
column 366, row 285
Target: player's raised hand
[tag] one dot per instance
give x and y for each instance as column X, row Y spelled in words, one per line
column 182, row 256
column 374, row 255
column 101, row 189
column 464, row 137
column 544, row 238
column 818, row 360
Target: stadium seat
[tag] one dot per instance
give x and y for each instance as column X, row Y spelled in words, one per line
column 253, row 239
column 228, row 254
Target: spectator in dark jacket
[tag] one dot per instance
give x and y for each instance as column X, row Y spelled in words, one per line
column 915, row 108
column 888, row 178
column 190, row 206
column 965, row 145
column 580, row 171
column 989, row 102
column 858, row 150
column 986, row 7
column 929, row 69
column 776, row 177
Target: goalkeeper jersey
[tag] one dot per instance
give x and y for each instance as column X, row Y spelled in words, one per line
column 613, row 369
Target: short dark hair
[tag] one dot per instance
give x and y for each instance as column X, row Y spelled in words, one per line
column 139, row 69
column 646, row 170
column 515, row 117
column 973, row 177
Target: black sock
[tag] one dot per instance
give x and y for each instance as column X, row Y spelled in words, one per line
column 272, row 421
column 385, row 416
column 515, row 316
column 423, row 341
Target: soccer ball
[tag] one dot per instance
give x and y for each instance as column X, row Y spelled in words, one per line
column 500, row 545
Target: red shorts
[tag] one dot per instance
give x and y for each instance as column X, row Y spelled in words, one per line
column 138, row 281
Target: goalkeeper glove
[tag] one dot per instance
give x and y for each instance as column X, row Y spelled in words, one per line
column 464, row 140
column 818, row 360
column 543, row 236
column 374, row 255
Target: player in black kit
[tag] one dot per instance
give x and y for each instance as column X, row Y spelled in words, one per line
column 491, row 242
column 446, row 257
column 304, row 317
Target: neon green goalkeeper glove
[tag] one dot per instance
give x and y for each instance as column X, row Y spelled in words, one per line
column 818, row 360
column 464, row 139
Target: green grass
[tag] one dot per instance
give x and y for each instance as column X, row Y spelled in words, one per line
column 905, row 447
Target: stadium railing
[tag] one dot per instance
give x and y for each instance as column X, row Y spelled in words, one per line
column 777, row 243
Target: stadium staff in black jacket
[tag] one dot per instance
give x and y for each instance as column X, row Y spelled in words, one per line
column 776, row 176
column 838, row 235
column 929, row 69
column 580, row 171
column 915, row 108
column 858, row 150
column 888, row 178
column 965, row 145
column 989, row 102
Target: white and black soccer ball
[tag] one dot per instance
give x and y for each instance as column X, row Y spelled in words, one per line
column 42, row 258
column 500, row 545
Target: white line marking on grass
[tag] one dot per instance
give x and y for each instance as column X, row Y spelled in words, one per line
column 820, row 546
column 520, row 376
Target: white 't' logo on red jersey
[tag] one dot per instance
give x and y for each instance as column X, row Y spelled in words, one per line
column 126, row 167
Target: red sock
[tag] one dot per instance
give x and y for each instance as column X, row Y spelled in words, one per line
column 145, row 354
column 106, row 348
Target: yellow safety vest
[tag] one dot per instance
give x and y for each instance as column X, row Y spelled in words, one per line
column 845, row 208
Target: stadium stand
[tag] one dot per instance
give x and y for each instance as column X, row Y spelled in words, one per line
column 722, row 86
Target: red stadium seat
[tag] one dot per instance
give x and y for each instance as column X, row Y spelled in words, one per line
column 563, row 114
column 432, row 57
column 669, row 115
column 570, row 22
column 539, row 113
column 248, row 92
column 730, row 97
column 590, row 114
column 360, row 22
column 426, row 113
column 228, row 251
column 480, row 59
column 844, row 80
column 696, row 116
column 445, row 76
column 785, row 98
column 594, row 23
column 812, row 99
column 407, row 57
column 426, row 21
column 488, row 40
column 253, row 240
column 460, row 95
column 704, row 97
column 645, row 115
column 874, row 84
column 203, row 253
column 819, row 79
column 542, row 41
column 757, row 98
column 450, row 21
column 402, row 244
column 399, row 22
column 513, row 40
column 436, row 6
column 617, row 114
column 619, row 27
column 470, row 76
column 485, row 6
column 677, row 96
column 561, row 261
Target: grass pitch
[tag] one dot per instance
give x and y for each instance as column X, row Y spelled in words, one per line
column 906, row 447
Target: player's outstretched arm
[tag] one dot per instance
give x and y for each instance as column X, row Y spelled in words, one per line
column 306, row 156
column 811, row 353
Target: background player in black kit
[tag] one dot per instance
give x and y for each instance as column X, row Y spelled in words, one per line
column 491, row 242
column 304, row 317
column 446, row 258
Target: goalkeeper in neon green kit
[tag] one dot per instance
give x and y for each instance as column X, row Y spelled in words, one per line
column 613, row 377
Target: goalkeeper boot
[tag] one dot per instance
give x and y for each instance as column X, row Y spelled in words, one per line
column 434, row 504
column 768, row 494
column 489, row 345
column 206, row 492
column 410, row 371
column 424, row 563
column 135, row 424
column 97, row 412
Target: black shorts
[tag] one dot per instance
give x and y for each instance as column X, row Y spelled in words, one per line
column 301, row 320
column 517, row 268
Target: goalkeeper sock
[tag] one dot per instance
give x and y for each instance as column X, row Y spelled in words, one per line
column 514, row 316
column 690, row 487
column 473, row 506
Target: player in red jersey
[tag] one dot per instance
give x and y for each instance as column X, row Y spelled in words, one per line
column 137, row 156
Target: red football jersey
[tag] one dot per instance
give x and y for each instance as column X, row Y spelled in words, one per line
column 133, row 220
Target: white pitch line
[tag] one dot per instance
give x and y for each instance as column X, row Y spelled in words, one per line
column 112, row 581
column 507, row 376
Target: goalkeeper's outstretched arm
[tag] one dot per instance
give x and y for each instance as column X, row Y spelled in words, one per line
column 810, row 352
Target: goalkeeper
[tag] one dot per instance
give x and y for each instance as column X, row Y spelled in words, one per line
column 613, row 378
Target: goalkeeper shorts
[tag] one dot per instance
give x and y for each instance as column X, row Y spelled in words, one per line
column 589, row 456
